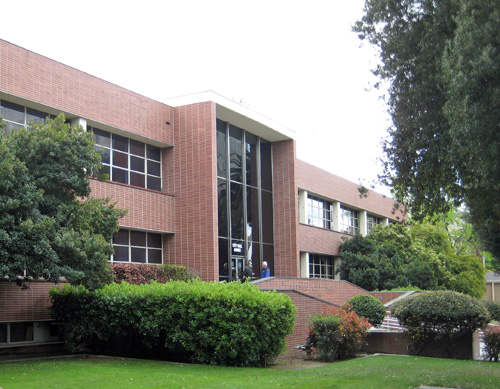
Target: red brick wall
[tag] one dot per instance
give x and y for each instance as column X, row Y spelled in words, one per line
column 334, row 291
column 147, row 209
column 36, row 78
column 318, row 240
column 306, row 306
column 286, row 254
column 318, row 181
column 30, row 304
column 194, row 182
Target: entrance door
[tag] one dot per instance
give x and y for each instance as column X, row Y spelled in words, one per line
column 237, row 266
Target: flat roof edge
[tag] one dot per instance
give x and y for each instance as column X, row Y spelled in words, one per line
column 227, row 108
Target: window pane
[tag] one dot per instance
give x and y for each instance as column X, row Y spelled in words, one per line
column 3, row 332
column 21, row 332
column 137, row 164
column 154, row 168
column 137, row 148
column 154, row 153
column 12, row 112
column 104, row 154
column 252, row 214
column 237, row 216
column 11, row 127
column 222, row 207
column 120, row 143
column 101, row 137
column 36, row 116
column 137, row 179
column 121, row 254
column 154, row 256
column 105, row 170
column 154, row 183
column 121, row 237
column 154, row 240
column 221, row 149
column 223, row 260
column 251, row 159
column 120, row 159
column 268, row 256
column 138, row 255
column 138, row 238
column 120, row 175
column 266, row 165
column 235, row 145
column 267, row 217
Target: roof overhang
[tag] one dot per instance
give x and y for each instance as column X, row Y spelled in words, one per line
column 237, row 114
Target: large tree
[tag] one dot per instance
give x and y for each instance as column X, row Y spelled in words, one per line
column 49, row 227
column 441, row 62
column 420, row 255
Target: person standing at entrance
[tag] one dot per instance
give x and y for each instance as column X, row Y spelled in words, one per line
column 247, row 274
column 265, row 271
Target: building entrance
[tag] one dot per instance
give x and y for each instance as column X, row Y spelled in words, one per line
column 237, row 266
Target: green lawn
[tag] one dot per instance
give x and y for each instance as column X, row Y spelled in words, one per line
column 369, row 372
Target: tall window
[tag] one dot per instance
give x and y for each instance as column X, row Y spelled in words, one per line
column 137, row 247
column 372, row 222
column 129, row 161
column 319, row 212
column 245, row 201
column 321, row 266
column 349, row 223
column 18, row 116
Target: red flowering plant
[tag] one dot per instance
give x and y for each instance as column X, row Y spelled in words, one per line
column 491, row 340
column 337, row 333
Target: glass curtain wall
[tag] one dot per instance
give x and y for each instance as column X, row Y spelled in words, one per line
column 245, row 209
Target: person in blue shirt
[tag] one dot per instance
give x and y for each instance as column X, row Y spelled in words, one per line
column 265, row 271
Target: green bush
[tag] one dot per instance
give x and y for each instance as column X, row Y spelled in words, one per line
column 491, row 340
column 137, row 274
column 442, row 315
column 230, row 324
column 367, row 306
column 493, row 308
column 337, row 333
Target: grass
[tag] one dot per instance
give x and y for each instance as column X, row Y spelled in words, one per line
column 370, row 372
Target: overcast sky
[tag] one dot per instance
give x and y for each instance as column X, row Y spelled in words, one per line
column 296, row 62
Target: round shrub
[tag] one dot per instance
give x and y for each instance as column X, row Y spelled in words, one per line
column 494, row 309
column 367, row 306
column 445, row 315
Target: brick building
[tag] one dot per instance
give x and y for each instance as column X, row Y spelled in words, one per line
column 208, row 183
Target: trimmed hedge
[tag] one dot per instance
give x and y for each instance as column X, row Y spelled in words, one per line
column 138, row 274
column 367, row 306
column 232, row 324
column 442, row 315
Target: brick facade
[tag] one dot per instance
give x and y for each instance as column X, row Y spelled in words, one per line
column 185, row 210
column 17, row 304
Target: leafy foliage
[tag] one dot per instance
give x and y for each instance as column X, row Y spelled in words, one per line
column 493, row 308
column 491, row 341
column 440, row 60
column 337, row 333
column 232, row 324
column 420, row 255
column 48, row 228
column 137, row 274
column 441, row 314
column 368, row 307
